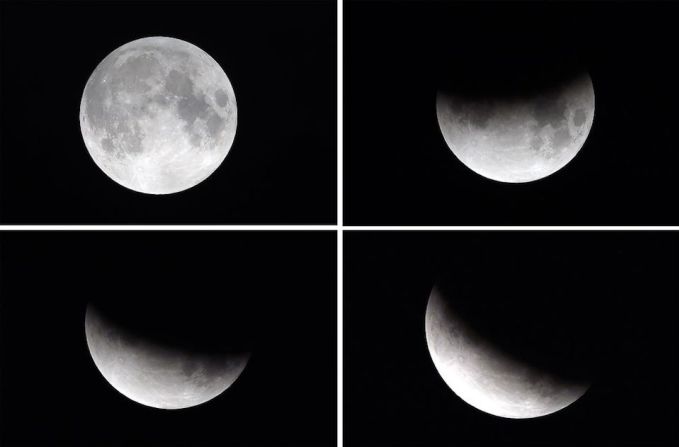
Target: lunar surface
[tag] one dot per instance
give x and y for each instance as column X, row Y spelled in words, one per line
column 156, row 374
column 487, row 377
column 522, row 139
column 158, row 115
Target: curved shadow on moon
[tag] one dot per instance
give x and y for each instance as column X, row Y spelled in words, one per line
column 158, row 367
column 512, row 116
column 498, row 362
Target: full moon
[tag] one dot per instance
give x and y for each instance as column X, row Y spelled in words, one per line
column 158, row 115
column 154, row 373
column 521, row 138
column 487, row 376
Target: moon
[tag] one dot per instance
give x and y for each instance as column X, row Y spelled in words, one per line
column 486, row 376
column 157, row 374
column 158, row 115
column 522, row 138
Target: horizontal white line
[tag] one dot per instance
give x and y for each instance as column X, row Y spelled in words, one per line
column 510, row 228
column 168, row 227
column 324, row 228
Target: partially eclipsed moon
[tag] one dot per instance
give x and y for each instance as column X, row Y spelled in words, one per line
column 158, row 115
column 154, row 374
column 518, row 140
column 485, row 376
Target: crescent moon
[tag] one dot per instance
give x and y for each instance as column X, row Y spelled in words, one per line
column 485, row 376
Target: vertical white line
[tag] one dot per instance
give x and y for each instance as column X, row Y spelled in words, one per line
column 340, row 335
column 340, row 112
column 340, row 223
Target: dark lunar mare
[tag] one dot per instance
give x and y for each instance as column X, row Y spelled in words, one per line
column 133, row 76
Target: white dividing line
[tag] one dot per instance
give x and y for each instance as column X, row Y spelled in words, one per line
column 509, row 228
column 340, row 223
column 340, row 114
column 168, row 227
column 337, row 228
column 340, row 338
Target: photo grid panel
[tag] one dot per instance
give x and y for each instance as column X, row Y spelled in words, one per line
column 176, row 338
column 546, row 338
column 168, row 113
column 510, row 113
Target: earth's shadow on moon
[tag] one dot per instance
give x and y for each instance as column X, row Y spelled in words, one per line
column 544, row 323
column 513, row 111
column 508, row 76
column 195, row 325
column 169, row 354
column 532, row 59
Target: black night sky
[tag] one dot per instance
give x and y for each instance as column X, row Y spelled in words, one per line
column 280, row 58
column 399, row 170
column 614, row 292
column 52, row 393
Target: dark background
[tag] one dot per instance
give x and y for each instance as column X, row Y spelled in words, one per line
column 52, row 393
column 399, row 170
column 620, row 289
column 280, row 57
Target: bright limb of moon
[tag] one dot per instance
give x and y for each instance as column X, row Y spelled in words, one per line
column 158, row 115
column 156, row 375
column 519, row 139
column 484, row 376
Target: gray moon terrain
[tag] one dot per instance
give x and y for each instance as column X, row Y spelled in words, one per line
column 158, row 115
column 485, row 376
column 155, row 374
column 518, row 140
